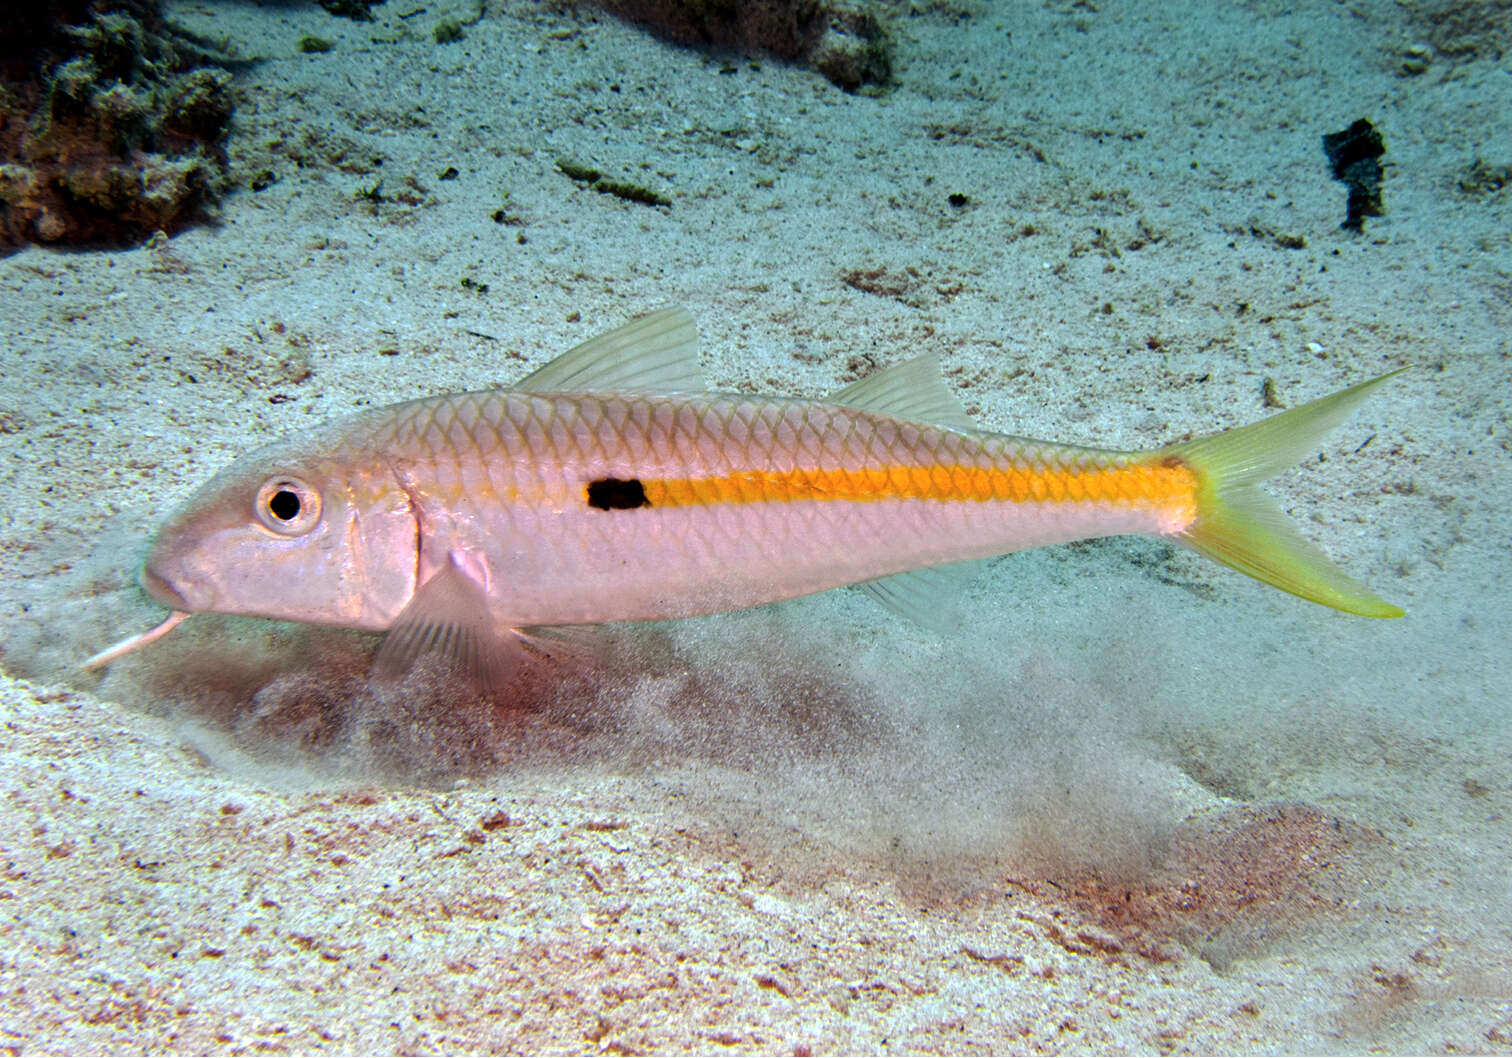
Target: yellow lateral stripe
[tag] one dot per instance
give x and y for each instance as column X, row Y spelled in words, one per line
column 1157, row 485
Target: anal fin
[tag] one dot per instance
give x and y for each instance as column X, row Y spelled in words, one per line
column 928, row 596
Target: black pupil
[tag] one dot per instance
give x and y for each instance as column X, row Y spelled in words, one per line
column 284, row 505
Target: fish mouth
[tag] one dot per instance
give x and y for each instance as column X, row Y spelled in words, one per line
column 159, row 588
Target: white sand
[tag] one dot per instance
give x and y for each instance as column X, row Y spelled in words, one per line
column 1139, row 803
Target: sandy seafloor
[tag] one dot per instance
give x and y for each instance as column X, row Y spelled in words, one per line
column 1137, row 802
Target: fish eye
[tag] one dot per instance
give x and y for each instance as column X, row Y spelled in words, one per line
column 288, row 506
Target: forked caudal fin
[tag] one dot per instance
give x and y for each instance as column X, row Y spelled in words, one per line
column 1240, row 526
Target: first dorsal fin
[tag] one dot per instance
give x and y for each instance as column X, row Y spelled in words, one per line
column 654, row 354
column 911, row 390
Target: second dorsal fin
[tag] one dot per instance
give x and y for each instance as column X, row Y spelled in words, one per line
column 657, row 353
column 911, row 390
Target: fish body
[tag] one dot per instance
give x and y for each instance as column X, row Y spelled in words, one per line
column 608, row 487
column 576, row 508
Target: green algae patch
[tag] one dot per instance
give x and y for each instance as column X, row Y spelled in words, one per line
column 597, row 181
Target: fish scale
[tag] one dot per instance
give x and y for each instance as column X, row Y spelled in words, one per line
column 840, row 494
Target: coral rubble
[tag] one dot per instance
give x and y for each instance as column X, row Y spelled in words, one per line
column 845, row 41
column 112, row 123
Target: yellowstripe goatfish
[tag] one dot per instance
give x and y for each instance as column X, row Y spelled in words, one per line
column 609, row 486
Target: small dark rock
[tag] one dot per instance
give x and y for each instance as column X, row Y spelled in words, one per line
column 356, row 10
column 1355, row 155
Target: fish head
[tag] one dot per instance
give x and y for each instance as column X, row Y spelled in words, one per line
column 306, row 530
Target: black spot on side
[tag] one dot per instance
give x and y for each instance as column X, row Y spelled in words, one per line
column 617, row 494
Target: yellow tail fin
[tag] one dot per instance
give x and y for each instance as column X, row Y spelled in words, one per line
column 1240, row 526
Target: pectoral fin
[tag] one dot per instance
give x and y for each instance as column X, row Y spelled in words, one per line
column 449, row 615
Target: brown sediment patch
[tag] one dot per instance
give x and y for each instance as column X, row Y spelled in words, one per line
column 1466, row 29
column 1229, row 886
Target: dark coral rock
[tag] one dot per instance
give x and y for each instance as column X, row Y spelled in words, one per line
column 842, row 40
column 112, row 126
